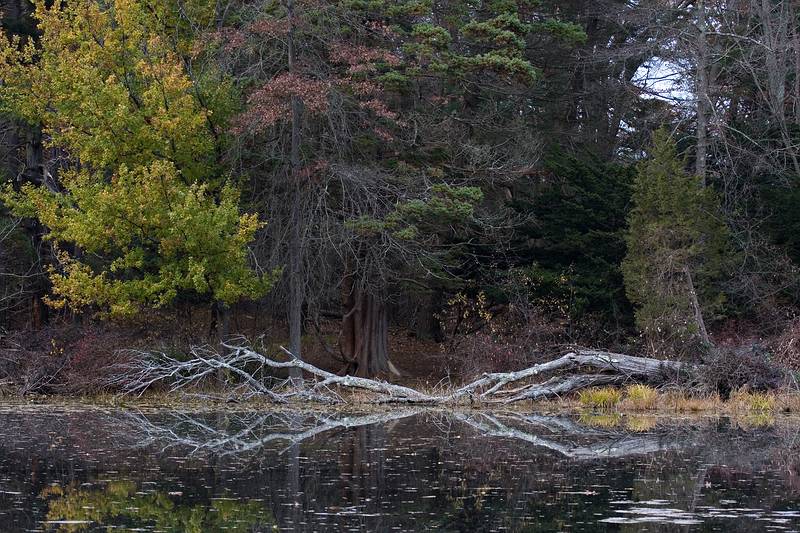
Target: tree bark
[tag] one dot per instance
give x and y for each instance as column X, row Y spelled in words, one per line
column 365, row 332
column 701, row 91
column 698, row 312
column 296, row 279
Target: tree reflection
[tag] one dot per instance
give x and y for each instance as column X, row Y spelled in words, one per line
column 121, row 505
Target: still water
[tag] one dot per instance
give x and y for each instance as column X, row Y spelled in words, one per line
column 405, row 470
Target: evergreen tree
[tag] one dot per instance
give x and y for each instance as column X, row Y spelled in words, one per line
column 575, row 241
column 677, row 247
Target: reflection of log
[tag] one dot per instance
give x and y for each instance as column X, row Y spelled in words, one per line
column 615, row 445
column 252, row 433
column 608, row 368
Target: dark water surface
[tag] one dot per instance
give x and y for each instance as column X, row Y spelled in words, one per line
column 89, row 470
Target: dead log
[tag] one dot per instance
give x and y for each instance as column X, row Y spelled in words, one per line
column 574, row 371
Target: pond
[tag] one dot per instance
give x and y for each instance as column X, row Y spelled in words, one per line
column 402, row 470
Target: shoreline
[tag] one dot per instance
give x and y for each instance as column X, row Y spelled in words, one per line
column 669, row 405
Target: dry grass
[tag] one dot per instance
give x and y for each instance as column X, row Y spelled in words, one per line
column 752, row 401
column 788, row 402
column 683, row 403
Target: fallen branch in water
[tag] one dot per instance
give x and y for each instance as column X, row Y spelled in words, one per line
column 614, row 445
column 251, row 432
column 144, row 370
column 246, row 433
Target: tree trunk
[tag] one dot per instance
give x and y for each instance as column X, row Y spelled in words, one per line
column 494, row 388
column 426, row 322
column 698, row 312
column 365, row 327
column 296, row 279
column 221, row 328
column 701, row 91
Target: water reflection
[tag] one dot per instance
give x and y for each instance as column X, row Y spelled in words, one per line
column 123, row 506
column 403, row 470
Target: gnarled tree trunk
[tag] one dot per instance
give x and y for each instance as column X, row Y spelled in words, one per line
column 365, row 332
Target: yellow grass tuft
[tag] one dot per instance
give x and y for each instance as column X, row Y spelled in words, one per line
column 600, row 397
column 640, row 397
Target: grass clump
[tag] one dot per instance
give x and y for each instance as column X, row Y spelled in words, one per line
column 600, row 397
column 759, row 402
column 640, row 397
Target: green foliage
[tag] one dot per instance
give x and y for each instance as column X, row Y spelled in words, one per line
column 146, row 203
column 575, row 242
column 674, row 232
column 461, row 44
column 505, row 30
column 159, row 236
column 567, row 32
column 445, row 206
column 108, row 83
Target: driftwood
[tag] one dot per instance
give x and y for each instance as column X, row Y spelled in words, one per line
column 574, row 371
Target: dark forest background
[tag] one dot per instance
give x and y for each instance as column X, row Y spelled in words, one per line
column 427, row 186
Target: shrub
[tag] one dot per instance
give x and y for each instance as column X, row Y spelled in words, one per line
column 482, row 337
column 787, row 346
column 745, row 368
column 600, row 397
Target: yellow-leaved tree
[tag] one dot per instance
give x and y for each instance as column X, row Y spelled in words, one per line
column 141, row 210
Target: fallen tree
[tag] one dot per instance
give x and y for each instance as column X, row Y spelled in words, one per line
column 246, row 367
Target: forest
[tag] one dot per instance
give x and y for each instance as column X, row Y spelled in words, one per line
column 246, row 193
